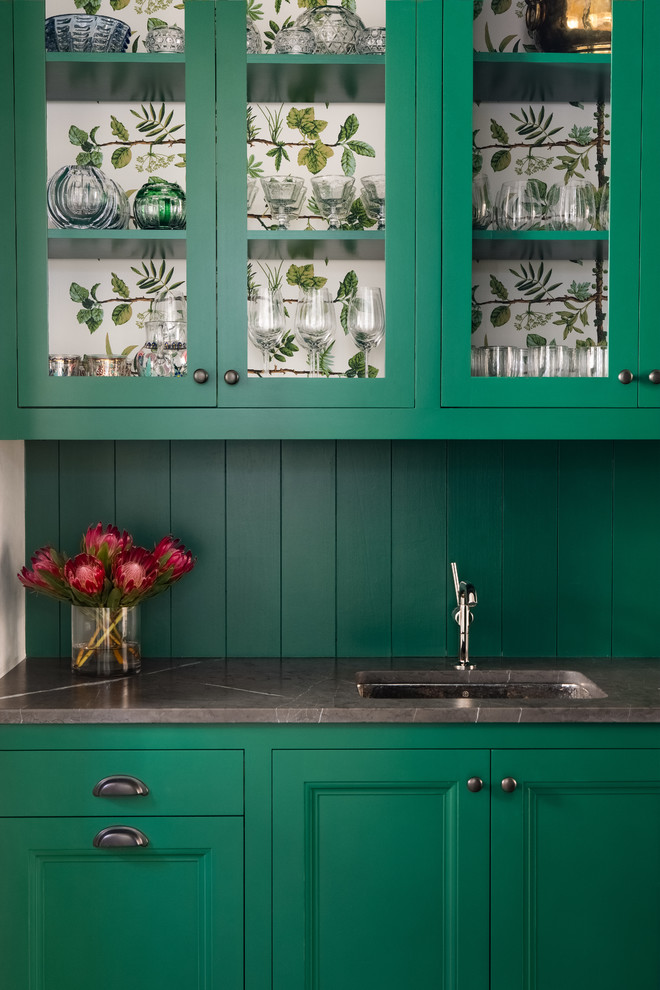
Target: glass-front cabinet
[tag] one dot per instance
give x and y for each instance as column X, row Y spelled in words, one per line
column 543, row 114
column 151, row 273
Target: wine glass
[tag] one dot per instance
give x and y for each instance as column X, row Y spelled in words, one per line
column 285, row 195
column 366, row 320
column 334, row 197
column 265, row 321
column 373, row 198
column 315, row 323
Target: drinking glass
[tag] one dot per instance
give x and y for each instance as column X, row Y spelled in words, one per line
column 265, row 321
column 294, row 41
column 285, row 195
column 519, row 207
column 371, row 41
column 549, row 362
column 334, row 197
column 502, row 362
column 592, row 362
column 366, row 320
column 482, row 209
column 373, row 197
column 603, row 209
column 575, row 208
column 315, row 324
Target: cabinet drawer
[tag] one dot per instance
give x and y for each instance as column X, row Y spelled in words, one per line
column 176, row 782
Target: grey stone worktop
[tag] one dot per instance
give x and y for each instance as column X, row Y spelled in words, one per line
column 305, row 690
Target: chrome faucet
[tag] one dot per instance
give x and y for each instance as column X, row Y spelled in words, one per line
column 466, row 597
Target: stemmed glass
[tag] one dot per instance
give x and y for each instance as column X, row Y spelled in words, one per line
column 285, row 195
column 366, row 320
column 265, row 321
column 315, row 324
column 334, row 197
column 373, row 198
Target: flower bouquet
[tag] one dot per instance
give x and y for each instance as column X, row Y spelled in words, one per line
column 104, row 583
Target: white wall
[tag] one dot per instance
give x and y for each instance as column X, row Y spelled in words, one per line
column 12, row 553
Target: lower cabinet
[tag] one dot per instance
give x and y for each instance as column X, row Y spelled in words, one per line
column 390, row 872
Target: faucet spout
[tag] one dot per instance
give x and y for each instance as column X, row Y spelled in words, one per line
column 466, row 598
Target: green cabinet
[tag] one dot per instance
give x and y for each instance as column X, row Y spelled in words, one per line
column 131, row 879
column 389, row 870
column 546, row 290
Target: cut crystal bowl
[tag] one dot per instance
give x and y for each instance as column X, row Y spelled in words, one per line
column 86, row 33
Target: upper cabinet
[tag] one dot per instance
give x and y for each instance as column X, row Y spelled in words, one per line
column 543, row 117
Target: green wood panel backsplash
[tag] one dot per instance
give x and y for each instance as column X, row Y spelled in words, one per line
column 327, row 548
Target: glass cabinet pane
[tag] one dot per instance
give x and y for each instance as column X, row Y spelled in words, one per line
column 552, row 252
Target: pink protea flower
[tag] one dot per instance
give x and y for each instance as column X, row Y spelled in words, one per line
column 173, row 559
column 47, row 574
column 105, row 544
column 86, row 574
column 134, row 571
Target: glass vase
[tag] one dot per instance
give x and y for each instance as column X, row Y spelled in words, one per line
column 160, row 205
column 105, row 642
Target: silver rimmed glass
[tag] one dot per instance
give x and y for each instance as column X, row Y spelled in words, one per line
column 373, row 198
column 334, row 197
column 285, row 195
column 265, row 323
column 366, row 320
column 315, row 323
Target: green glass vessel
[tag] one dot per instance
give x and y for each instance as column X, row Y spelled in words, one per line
column 160, row 205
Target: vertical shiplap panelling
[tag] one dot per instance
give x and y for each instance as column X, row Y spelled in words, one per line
column 87, row 496
column 198, row 520
column 142, row 498
column 364, row 573
column 474, row 539
column 636, row 570
column 419, row 548
column 529, row 549
column 42, row 526
column 253, row 548
column 308, row 548
column 584, row 563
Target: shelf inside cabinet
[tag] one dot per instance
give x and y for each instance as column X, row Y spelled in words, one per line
column 504, row 76
column 79, row 77
column 316, row 78
column 317, row 244
column 531, row 245
column 133, row 245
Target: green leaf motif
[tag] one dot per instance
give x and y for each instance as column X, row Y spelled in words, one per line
column 78, row 293
column 499, row 6
column 77, row 136
column 155, row 22
column 315, row 157
column 119, row 4
column 119, row 286
column 305, row 121
column 500, row 315
column 348, row 128
column 121, row 314
column 498, row 289
column 304, row 276
column 498, row 132
column 535, row 340
column 500, row 160
column 348, row 162
column 356, row 367
column 477, row 317
column 118, row 129
column 478, row 7
column 121, row 157
column 348, row 285
column 361, row 148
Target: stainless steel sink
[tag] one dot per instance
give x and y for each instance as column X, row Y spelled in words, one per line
column 505, row 684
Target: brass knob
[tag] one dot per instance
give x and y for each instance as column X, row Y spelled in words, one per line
column 231, row 377
column 654, row 377
column 200, row 376
column 475, row 784
column 625, row 376
column 509, row 784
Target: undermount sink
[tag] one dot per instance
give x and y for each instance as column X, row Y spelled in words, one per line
column 503, row 684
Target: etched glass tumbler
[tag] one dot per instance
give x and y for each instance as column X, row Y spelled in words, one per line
column 334, row 197
column 285, row 195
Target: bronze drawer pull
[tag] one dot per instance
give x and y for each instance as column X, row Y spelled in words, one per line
column 120, row 785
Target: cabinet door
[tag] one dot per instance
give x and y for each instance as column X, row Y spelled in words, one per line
column 649, row 357
column 576, row 870
column 380, row 870
column 540, row 291
column 348, row 115
column 160, row 917
column 135, row 115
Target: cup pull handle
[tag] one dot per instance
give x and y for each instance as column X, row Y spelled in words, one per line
column 116, row 836
column 120, row 785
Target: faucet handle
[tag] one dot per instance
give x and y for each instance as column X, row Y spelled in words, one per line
column 465, row 592
column 454, row 571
